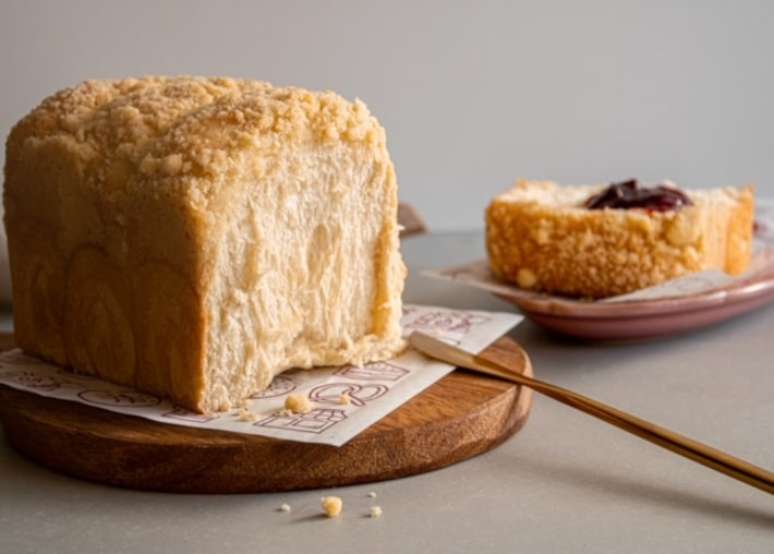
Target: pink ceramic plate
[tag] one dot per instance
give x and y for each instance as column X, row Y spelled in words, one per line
column 645, row 318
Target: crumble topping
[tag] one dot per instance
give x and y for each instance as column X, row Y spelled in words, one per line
column 298, row 404
column 331, row 505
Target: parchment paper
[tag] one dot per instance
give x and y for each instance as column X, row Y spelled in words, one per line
column 374, row 390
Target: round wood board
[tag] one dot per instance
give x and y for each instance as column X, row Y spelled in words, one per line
column 460, row 416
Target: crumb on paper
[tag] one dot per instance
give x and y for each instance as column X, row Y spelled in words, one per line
column 284, row 508
column 298, row 404
column 376, row 511
column 331, row 505
column 344, row 399
column 246, row 415
column 371, row 494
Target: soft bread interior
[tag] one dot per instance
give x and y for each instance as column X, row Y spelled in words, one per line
column 297, row 280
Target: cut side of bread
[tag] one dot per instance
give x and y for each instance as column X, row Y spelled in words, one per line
column 540, row 236
column 195, row 237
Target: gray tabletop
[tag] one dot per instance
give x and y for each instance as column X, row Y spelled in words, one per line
column 565, row 483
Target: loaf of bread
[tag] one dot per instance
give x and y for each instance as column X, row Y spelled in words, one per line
column 543, row 237
column 194, row 237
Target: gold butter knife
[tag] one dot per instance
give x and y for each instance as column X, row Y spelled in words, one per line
column 679, row 444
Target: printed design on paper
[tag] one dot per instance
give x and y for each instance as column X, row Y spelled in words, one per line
column 280, row 386
column 376, row 371
column 449, row 325
column 32, row 380
column 124, row 399
column 359, row 395
column 317, row 421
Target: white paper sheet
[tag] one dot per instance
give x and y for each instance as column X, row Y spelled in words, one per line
column 374, row 390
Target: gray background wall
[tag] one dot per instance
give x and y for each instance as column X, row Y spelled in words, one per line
column 472, row 94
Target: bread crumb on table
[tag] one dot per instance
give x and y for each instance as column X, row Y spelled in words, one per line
column 331, row 505
column 376, row 511
column 298, row 404
column 284, row 508
column 371, row 494
column 344, row 399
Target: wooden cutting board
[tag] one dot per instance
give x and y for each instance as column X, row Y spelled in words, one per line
column 460, row 416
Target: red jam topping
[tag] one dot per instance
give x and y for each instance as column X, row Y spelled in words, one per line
column 628, row 194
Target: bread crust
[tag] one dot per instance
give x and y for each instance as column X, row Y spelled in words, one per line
column 115, row 195
column 564, row 248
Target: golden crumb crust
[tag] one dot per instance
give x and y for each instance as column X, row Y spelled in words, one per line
column 539, row 236
column 164, row 135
